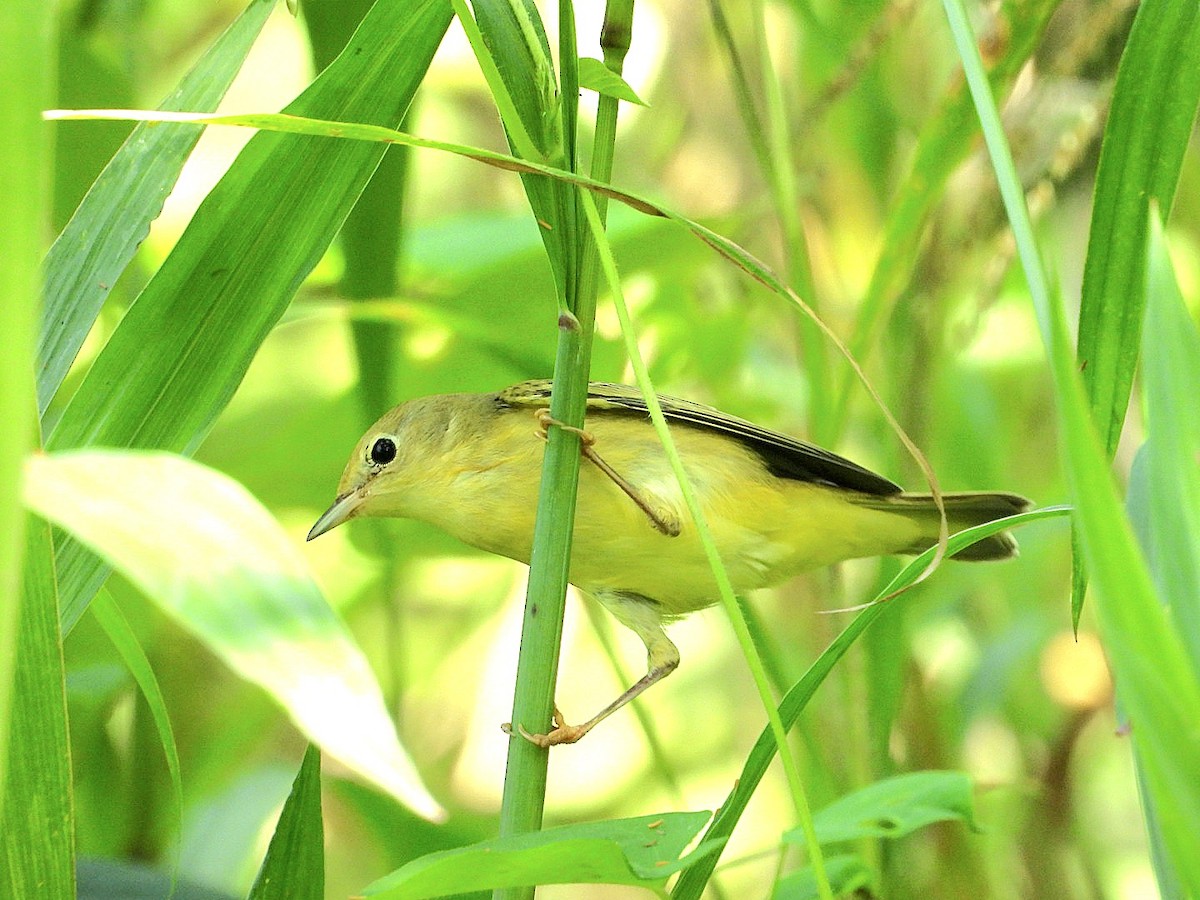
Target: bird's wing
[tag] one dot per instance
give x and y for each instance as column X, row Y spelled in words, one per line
column 784, row 456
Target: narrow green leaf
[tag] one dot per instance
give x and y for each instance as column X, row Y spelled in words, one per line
column 1163, row 499
column 1153, row 108
column 895, row 807
column 182, row 349
column 1157, row 685
column 596, row 76
column 38, row 856
column 197, row 544
column 1148, row 128
column 692, row 882
column 1171, row 455
column 516, row 40
column 294, row 868
column 114, row 218
column 642, row 851
column 116, row 628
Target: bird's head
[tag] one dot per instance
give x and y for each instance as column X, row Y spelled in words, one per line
column 391, row 461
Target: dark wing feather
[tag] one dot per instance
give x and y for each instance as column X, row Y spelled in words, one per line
column 785, row 457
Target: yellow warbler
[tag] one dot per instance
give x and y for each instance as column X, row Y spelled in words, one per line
column 470, row 464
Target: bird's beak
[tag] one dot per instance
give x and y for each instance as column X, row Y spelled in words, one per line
column 342, row 509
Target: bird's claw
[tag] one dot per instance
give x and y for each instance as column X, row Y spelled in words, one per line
column 545, row 420
column 561, row 733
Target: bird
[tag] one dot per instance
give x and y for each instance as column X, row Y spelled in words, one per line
column 470, row 464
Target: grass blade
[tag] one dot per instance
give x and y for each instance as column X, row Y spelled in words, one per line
column 38, row 859
column 294, row 868
column 114, row 218
column 1153, row 107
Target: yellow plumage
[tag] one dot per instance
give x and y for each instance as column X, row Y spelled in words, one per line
column 471, row 463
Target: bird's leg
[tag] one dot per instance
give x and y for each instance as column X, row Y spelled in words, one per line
column 662, row 520
column 643, row 617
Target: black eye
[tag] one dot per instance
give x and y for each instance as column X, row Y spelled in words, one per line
column 383, row 451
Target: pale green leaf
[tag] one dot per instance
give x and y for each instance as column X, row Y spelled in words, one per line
column 214, row 560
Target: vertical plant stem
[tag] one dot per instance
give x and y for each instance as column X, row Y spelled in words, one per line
column 537, row 666
column 26, row 67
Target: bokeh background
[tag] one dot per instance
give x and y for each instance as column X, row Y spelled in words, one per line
column 979, row 665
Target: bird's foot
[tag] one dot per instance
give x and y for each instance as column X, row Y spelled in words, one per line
column 562, row 733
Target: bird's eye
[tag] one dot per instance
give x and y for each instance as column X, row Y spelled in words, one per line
column 383, row 451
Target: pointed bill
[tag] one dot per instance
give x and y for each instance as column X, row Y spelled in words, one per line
column 342, row 509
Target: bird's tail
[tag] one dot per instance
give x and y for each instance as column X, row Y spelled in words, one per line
column 963, row 510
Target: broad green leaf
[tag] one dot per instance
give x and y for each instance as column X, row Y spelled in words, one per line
column 847, row 874
column 596, row 76
column 37, row 858
column 295, row 865
column 216, row 562
column 642, row 851
column 692, row 882
column 895, row 807
column 114, row 218
column 1171, row 455
column 182, row 349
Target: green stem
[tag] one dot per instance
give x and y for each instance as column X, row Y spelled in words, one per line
column 522, row 805
column 27, row 33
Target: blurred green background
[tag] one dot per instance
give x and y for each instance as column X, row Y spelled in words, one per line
column 979, row 663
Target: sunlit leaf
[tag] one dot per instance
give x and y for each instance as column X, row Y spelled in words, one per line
column 216, row 562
